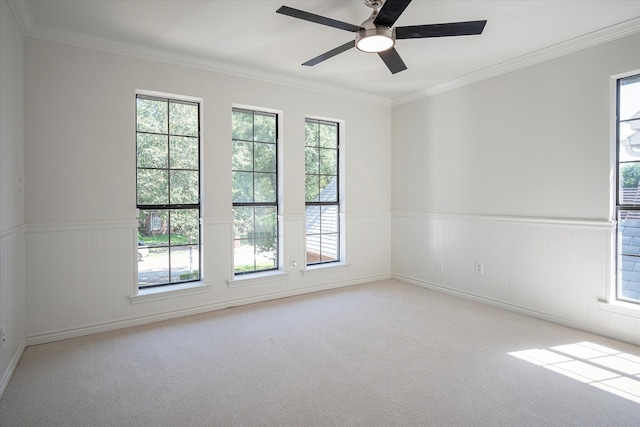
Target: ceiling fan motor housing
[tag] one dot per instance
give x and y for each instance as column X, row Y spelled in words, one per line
column 375, row 4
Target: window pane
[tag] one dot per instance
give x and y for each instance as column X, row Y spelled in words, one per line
column 329, row 219
column 242, row 125
column 313, row 219
column 242, row 156
column 311, row 134
column 629, row 140
column 154, row 268
column 311, row 188
column 311, row 160
column 329, row 247
column 265, row 223
column 328, row 189
column 244, row 247
column 151, row 115
column 265, row 187
column 629, row 254
column 629, row 180
column 313, row 248
column 328, row 136
column 629, row 103
column 185, row 263
column 184, row 153
column 152, row 150
column 243, row 256
column 242, row 187
column 184, row 187
column 185, row 226
column 265, row 157
column 264, row 128
column 255, row 238
column 153, row 187
column 328, row 161
column 630, row 284
column 243, row 222
column 153, row 227
column 144, row 223
column 265, row 254
column 183, row 119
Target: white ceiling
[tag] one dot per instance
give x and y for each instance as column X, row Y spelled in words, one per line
column 247, row 37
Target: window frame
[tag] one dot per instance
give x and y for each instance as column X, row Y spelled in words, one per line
column 253, row 204
column 169, row 207
column 621, row 206
column 337, row 203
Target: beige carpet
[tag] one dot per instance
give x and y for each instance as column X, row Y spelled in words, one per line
column 380, row 354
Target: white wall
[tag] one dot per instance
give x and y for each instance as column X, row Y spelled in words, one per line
column 12, row 251
column 80, row 186
column 512, row 171
column 515, row 171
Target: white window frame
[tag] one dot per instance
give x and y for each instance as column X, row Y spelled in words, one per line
column 615, row 301
column 342, row 263
column 262, row 276
column 169, row 291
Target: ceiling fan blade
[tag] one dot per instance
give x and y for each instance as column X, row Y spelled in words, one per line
column 390, row 12
column 312, row 17
column 393, row 60
column 330, row 54
column 440, row 30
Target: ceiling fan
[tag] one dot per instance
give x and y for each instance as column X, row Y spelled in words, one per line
column 376, row 34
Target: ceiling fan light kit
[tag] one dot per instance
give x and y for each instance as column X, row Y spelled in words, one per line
column 377, row 34
column 372, row 38
column 375, row 39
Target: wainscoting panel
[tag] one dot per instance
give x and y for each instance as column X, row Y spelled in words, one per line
column 80, row 277
column 78, row 274
column 12, row 301
column 560, row 270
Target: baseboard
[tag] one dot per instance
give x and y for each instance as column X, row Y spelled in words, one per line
column 143, row 320
column 628, row 338
column 6, row 377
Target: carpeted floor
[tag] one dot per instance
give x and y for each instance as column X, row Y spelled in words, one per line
column 379, row 354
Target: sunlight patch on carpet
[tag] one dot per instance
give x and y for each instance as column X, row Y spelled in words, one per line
column 602, row 367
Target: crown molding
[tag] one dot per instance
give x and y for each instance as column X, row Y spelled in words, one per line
column 199, row 62
column 22, row 13
column 25, row 21
column 586, row 41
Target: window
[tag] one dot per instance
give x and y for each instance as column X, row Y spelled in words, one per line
column 628, row 200
column 321, row 192
column 255, row 191
column 168, row 190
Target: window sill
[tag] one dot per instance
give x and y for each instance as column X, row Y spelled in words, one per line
column 257, row 278
column 169, row 291
column 621, row 307
column 333, row 267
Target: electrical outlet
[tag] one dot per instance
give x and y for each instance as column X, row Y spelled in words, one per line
column 440, row 266
column 294, row 264
column 3, row 336
column 479, row 268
